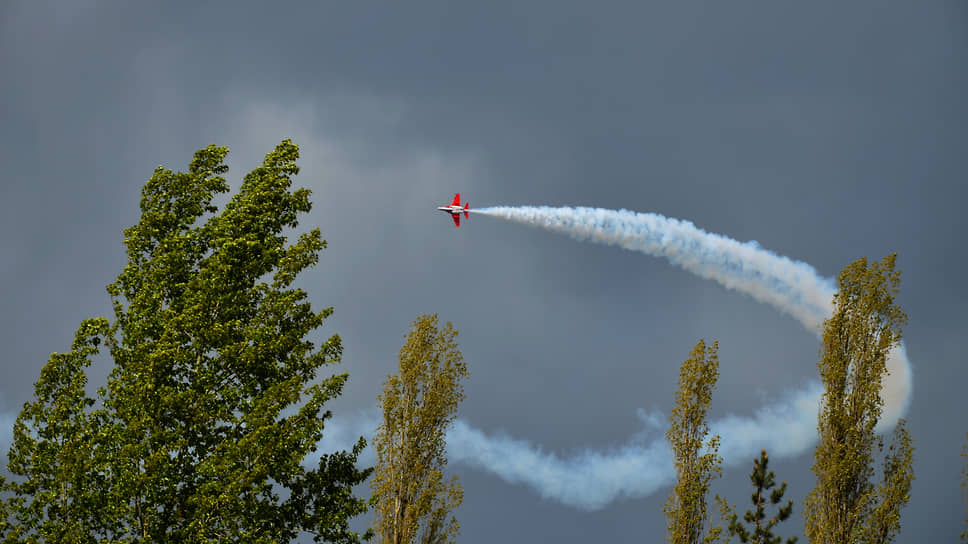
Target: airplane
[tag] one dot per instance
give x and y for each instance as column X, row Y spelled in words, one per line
column 455, row 209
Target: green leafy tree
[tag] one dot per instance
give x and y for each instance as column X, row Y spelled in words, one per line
column 696, row 463
column 213, row 408
column 413, row 500
column 847, row 506
column 761, row 530
column 54, row 449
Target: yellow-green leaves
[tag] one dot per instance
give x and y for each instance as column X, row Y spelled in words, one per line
column 58, row 450
column 686, row 508
column 413, row 500
column 846, row 506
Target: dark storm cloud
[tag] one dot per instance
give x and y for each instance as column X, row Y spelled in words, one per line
column 826, row 131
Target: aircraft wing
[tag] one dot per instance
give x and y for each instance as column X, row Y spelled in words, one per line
column 456, row 219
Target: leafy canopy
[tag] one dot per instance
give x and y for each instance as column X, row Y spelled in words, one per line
column 696, row 463
column 213, row 407
column 847, row 506
column 413, row 500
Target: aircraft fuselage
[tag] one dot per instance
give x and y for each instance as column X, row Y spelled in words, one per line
column 455, row 209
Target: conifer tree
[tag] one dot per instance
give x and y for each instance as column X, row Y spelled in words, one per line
column 846, row 506
column 414, row 502
column 761, row 530
column 685, row 509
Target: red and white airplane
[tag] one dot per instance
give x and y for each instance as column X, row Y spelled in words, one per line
column 455, row 209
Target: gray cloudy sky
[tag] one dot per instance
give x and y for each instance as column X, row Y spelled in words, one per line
column 826, row 131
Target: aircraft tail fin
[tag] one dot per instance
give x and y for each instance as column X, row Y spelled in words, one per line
column 467, row 207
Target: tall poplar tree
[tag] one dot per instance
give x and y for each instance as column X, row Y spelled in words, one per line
column 213, row 408
column 413, row 499
column 686, row 508
column 847, row 506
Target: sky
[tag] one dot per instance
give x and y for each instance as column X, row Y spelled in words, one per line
column 823, row 131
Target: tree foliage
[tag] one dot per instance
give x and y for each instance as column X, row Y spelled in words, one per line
column 413, row 500
column 696, row 463
column 57, row 445
column 761, row 530
column 846, row 506
column 213, row 407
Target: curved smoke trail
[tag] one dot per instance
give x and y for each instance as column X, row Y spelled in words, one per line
column 592, row 479
column 793, row 287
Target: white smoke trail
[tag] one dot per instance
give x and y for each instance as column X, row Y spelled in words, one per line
column 588, row 480
column 793, row 287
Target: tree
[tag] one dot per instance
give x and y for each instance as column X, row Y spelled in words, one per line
column 846, row 506
column 413, row 501
column 213, row 407
column 761, row 531
column 686, row 508
column 55, row 449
